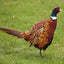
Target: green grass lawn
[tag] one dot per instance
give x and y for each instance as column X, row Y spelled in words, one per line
column 22, row 15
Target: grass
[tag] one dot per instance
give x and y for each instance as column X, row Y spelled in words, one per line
column 22, row 15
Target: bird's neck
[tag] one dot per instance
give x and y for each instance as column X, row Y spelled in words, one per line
column 54, row 15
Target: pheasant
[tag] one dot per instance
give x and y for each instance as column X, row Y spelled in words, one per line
column 41, row 34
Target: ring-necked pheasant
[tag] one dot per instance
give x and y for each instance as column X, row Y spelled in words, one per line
column 41, row 34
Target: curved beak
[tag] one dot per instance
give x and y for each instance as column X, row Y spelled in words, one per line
column 60, row 10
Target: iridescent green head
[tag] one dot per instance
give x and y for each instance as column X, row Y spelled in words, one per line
column 55, row 11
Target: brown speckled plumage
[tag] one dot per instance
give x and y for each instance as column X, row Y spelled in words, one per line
column 41, row 34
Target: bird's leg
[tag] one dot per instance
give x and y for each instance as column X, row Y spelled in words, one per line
column 30, row 45
column 41, row 54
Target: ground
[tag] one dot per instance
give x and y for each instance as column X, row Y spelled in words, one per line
column 22, row 15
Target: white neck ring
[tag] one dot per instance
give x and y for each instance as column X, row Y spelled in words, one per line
column 53, row 18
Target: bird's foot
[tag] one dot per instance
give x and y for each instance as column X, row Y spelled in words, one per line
column 41, row 56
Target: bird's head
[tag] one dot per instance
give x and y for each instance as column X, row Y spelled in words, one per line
column 55, row 11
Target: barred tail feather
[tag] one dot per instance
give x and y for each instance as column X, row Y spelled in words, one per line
column 16, row 33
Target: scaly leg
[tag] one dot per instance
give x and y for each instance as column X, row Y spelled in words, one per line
column 41, row 54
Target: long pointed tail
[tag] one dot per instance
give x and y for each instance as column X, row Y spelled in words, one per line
column 16, row 33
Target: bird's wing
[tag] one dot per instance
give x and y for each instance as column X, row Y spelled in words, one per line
column 34, row 36
column 35, row 32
